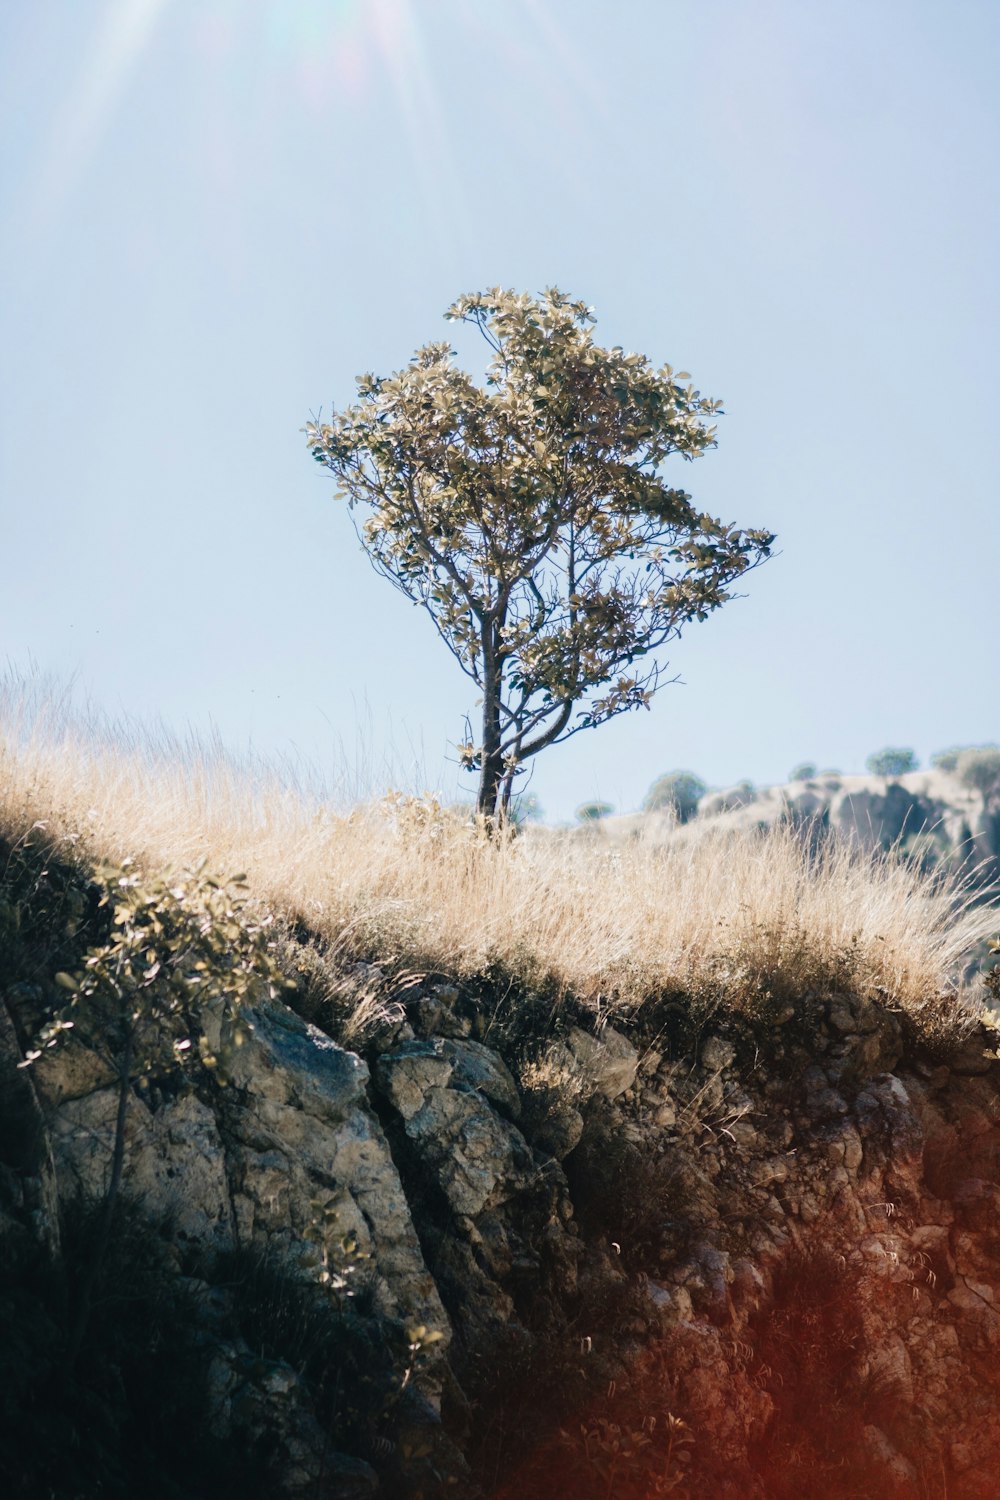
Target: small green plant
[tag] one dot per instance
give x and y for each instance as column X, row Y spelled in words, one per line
column 679, row 790
column 804, row 771
column 180, row 949
column 947, row 760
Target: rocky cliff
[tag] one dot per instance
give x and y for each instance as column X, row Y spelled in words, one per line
column 509, row 1251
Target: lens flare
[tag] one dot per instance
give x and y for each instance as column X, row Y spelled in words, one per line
column 127, row 29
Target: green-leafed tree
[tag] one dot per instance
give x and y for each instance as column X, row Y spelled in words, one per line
column 530, row 516
column 804, row 771
column 978, row 768
column 593, row 812
column 891, row 762
column 680, row 790
column 947, row 760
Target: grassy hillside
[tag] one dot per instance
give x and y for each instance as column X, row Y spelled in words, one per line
column 737, row 917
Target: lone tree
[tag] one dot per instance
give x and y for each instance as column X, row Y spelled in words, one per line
column 530, row 517
column 891, row 762
column 680, row 790
column 978, row 768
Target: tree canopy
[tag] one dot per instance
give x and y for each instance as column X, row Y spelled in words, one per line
column 891, row 762
column 978, row 768
column 530, row 517
column 680, row 790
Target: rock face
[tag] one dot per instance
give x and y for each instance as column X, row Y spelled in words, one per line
column 755, row 1265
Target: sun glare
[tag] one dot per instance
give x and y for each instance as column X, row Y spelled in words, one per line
column 125, row 32
column 330, row 51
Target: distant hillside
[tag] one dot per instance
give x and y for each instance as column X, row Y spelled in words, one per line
column 927, row 814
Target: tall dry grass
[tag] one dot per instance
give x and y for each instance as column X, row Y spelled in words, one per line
column 725, row 917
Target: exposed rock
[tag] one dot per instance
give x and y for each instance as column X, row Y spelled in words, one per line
column 553, row 1125
column 717, row 1054
column 477, row 1157
column 281, row 1058
column 607, row 1062
column 407, row 1073
column 175, row 1160
column 729, row 1247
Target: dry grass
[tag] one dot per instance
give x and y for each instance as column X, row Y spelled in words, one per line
column 732, row 917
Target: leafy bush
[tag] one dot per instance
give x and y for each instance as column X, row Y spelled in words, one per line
column 804, row 771
column 593, row 812
column 179, row 948
column 680, row 790
column 947, row 760
column 978, row 768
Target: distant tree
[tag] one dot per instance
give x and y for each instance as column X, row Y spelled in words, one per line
column 804, row 771
column 947, row 760
column 531, row 519
column 734, row 797
column 891, row 762
column 978, row 769
column 680, row 790
column 593, row 812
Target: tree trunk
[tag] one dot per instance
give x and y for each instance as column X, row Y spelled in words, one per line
column 490, row 779
column 491, row 769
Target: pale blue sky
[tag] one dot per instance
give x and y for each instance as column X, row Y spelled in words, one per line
column 215, row 213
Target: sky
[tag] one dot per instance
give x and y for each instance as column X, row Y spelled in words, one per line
column 214, row 214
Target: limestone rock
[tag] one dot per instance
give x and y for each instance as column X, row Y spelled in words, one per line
column 480, row 1070
column 285, row 1059
column 607, row 1062
column 407, row 1073
column 174, row 1161
column 477, row 1157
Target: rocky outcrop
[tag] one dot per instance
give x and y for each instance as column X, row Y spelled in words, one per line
column 930, row 815
column 759, row 1261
